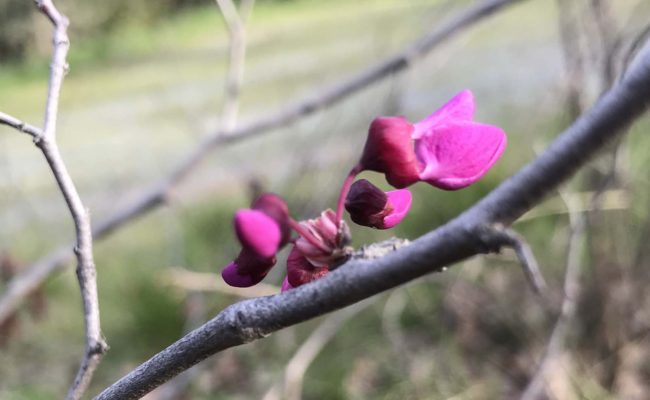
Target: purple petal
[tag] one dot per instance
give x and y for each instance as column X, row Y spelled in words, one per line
column 400, row 200
column 257, row 232
column 286, row 285
column 460, row 107
column 459, row 153
column 231, row 276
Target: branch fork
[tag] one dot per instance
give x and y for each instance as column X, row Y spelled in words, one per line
column 494, row 237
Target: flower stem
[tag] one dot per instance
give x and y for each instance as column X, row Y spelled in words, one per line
column 307, row 235
column 344, row 191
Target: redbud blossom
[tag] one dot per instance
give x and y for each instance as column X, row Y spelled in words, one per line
column 262, row 231
column 370, row 206
column 446, row 149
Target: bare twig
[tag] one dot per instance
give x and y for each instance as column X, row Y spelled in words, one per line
column 45, row 140
column 572, row 54
column 536, row 387
column 236, row 23
column 457, row 240
column 33, row 277
column 86, row 273
column 498, row 236
column 608, row 39
column 294, row 372
column 6, row 119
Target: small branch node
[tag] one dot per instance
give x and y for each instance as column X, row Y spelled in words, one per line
column 497, row 236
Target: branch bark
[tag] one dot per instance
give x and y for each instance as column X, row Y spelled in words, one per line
column 457, row 240
column 32, row 278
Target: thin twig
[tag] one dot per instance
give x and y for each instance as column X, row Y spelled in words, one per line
column 455, row 241
column 33, row 277
column 536, row 387
column 86, row 274
column 294, row 372
column 236, row 23
column 497, row 237
column 574, row 67
column 6, row 119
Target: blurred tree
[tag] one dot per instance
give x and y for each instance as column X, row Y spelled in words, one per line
column 15, row 28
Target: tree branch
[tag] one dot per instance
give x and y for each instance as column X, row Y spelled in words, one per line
column 6, row 119
column 45, row 140
column 455, row 241
column 33, row 277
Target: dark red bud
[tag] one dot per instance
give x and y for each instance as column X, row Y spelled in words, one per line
column 367, row 204
column 389, row 150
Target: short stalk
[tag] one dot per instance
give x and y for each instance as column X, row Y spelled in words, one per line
column 345, row 189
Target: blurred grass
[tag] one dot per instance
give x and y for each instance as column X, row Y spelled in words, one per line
column 473, row 332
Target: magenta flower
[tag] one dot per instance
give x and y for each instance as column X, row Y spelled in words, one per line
column 370, row 206
column 262, row 231
column 446, row 149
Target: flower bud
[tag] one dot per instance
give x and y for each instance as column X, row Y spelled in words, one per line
column 389, row 150
column 370, row 206
column 301, row 271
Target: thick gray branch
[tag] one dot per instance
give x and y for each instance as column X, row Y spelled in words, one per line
column 457, row 240
column 23, row 284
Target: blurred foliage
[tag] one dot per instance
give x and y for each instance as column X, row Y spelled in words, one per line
column 90, row 20
column 16, row 29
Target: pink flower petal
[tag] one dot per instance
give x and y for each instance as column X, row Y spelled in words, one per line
column 231, row 276
column 257, row 232
column 400, row 200
column 275, row 207
column 456, row 154
column 460, row 107
column 286, row 285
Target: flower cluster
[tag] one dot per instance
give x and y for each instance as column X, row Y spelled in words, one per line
column 447, row 150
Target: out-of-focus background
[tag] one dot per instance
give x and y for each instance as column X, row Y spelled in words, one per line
column 147, row 82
